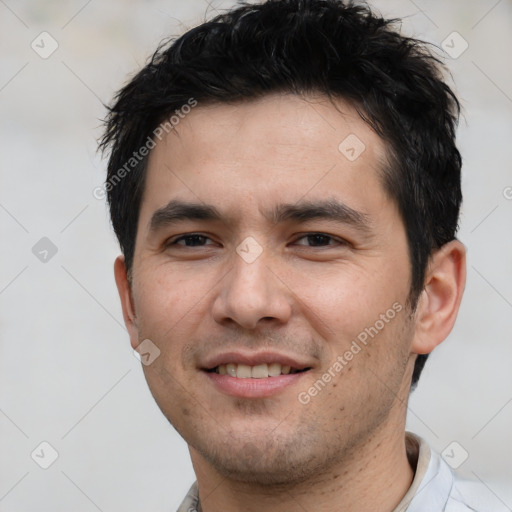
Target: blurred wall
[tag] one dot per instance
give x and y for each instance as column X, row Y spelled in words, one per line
column 68, row 376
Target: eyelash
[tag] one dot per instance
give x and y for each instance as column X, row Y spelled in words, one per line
column 174, row 242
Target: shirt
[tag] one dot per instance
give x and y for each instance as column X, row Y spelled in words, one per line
column 435, row 487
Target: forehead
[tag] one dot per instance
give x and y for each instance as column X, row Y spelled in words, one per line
column 253, row 153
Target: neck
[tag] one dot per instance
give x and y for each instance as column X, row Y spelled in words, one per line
column 374, row 477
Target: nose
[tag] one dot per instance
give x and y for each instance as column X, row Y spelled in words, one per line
column 252, row 294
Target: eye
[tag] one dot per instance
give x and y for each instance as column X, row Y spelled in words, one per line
column 190, row 240
column 319, row 240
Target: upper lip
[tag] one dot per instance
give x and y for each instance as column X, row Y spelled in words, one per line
column 254, row 359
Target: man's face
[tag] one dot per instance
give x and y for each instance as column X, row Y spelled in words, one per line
column 307, row 252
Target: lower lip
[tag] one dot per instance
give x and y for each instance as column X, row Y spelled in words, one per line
column 252, row 388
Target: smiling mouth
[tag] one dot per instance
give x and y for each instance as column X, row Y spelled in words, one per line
column 260, row 371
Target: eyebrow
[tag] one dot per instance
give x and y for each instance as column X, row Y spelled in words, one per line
column 331, row 209
column 175, row 211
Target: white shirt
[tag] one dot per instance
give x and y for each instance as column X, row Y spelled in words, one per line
column 435, row 488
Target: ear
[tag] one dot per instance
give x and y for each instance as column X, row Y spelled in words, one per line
column 439, row 301
column 125, row 294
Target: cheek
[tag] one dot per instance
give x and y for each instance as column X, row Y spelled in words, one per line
column 345, row 301
column 166, row 293
column 166, row 301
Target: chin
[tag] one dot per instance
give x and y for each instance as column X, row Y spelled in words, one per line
column 270, row 463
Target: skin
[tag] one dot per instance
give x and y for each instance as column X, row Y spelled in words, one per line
column 345, row 449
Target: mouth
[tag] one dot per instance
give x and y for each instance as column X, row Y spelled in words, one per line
column 262, row 375
column 259, row 371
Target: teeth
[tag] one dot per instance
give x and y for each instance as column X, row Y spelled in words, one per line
column 274, row 369
column 260, row 371
column 243, row 371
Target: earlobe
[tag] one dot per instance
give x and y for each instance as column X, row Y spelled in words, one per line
column 440, row 299
column 125, row 295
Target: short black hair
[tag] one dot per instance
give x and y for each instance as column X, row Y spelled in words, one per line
column 339, row 49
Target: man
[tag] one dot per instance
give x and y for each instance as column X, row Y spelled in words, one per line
column 285, row 187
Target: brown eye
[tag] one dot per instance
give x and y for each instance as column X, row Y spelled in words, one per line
column 319, row 240
column 191, row 240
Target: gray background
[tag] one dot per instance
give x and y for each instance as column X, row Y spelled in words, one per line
column 67, row 373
